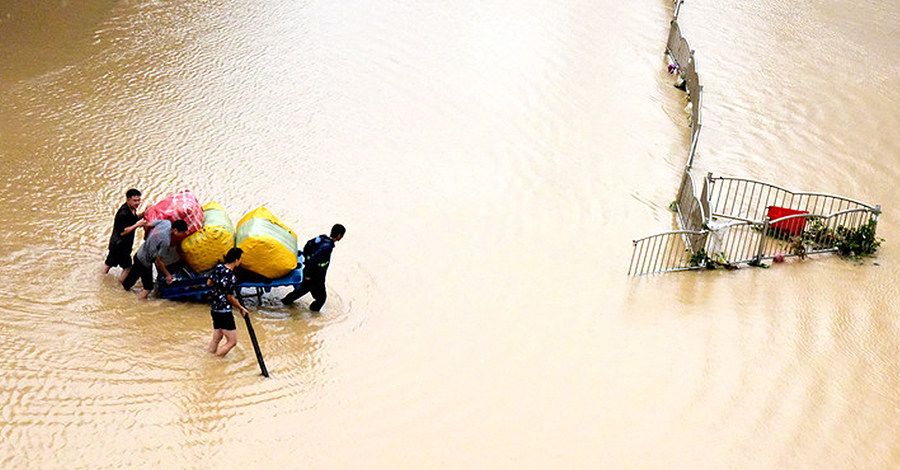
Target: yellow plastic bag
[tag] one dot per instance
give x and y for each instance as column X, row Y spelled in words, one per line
column 270, row 247
column 206, row 247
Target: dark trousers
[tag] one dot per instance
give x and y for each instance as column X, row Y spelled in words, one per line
column 314, row 286
column 139, row 270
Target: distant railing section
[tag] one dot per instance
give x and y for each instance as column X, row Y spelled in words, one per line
column 738, row 220
column 682, row 56
column 677, row 46
column 677, row 7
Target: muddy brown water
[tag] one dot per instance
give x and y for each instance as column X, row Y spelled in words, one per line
column 492, row 162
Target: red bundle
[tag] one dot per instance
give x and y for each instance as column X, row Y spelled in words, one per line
column 182, row 205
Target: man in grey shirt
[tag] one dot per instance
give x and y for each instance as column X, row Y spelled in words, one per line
column 158, row 249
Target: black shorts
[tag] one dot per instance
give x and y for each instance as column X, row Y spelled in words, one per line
column 119, row 257
column 223, row 320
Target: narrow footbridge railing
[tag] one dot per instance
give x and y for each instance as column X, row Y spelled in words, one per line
column 729, row 220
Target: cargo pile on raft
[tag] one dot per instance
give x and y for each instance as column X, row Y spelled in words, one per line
column 270, row 248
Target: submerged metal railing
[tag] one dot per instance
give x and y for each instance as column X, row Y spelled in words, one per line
column 677, row 46
column 685, row 62
column 746, row 241
column 693, row 212
column 662, row 252
column 750, row 199
column 739, row 220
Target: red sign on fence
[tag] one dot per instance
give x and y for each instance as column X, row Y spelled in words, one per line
column 793, row 226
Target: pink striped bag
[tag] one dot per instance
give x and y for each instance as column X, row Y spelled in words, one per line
column 180, row 205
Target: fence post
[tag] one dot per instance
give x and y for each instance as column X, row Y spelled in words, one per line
column 762, row 240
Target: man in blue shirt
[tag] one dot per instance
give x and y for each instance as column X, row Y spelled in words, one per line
column 317, row 257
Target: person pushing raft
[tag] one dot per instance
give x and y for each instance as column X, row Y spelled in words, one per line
column 317, row 257
column 121, row 241
column 161, row 249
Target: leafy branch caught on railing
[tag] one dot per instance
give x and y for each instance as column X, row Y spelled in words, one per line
column 859, row 242
column 717, row 260
column 849, row 242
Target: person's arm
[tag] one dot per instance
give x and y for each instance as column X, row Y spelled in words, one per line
column 162, row 268
column 234, row 301
column 139, row 224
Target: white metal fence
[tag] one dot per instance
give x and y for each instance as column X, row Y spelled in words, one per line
column 750, row 199
column 739, row 220
column 662, row 252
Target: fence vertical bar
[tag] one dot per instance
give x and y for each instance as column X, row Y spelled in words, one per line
column 762, row 239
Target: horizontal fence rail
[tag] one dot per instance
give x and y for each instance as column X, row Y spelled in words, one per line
column 803, row 234
column 745, row 241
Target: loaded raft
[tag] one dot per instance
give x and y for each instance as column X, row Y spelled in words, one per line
column 189, row 285
column 270, row 256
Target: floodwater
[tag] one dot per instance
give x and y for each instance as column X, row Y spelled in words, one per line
column 492, row 162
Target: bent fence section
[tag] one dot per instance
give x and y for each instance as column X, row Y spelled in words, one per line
column 677, row 46
column 693, row 212
column 682, row 55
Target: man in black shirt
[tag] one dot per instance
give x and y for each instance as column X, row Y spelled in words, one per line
column 122, row 239
column 316, row 257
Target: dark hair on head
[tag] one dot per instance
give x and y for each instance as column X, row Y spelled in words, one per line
column 132, row 193
column 338, row 230
column 180, row 225
column 232, row 255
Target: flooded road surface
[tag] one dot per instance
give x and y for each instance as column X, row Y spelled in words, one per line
column 492, row 163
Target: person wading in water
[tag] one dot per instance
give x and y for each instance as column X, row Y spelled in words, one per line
column 317, row 257
column 121, row 241
column 223, row 281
